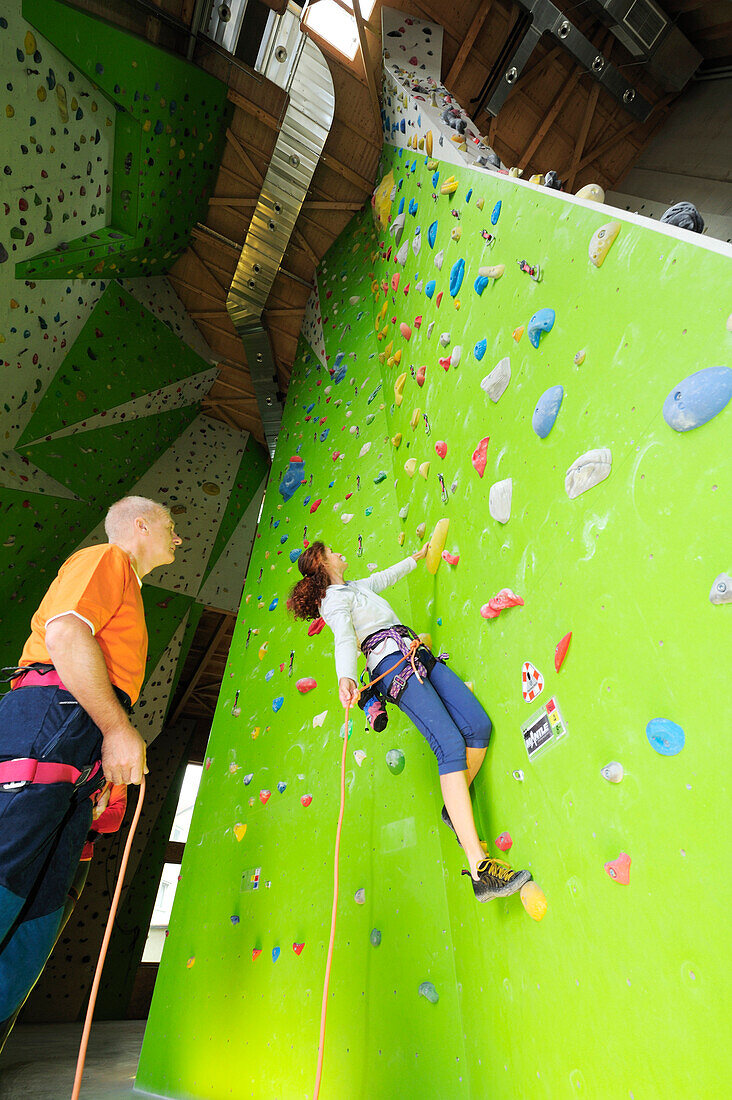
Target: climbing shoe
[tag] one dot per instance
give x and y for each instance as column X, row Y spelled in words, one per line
column 497, row 880
column 376, row 715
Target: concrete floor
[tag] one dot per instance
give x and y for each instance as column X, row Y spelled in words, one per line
column 39, row 1061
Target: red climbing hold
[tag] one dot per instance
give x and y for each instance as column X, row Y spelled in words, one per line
column 504, row 841
column 451, row 559
column 315, row 627
column 479, row 455
column 420, row 376
column 441, row 448
column 561, row 651
column 306, row 800
column 498, row 603
column 306, row 684
column 297, row 948
column 446, row 363
column 315, row 505
column 264, row 797
column 418, row 321
column 438, row 299
column 395, row 281
column 256, row 952
column 619, row 869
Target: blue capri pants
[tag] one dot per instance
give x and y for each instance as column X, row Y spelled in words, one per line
column 444, row 710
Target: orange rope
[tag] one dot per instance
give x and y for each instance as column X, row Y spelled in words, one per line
column 105, row 944
column 324, row 1008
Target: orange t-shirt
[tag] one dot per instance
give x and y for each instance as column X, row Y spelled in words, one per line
column 100, row 586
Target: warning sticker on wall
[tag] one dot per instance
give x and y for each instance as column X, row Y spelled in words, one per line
column 250, row 879
column 545, row 727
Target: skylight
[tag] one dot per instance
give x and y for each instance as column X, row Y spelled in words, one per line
column 335, row 25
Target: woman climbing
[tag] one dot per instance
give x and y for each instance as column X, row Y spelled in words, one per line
column 441, row 706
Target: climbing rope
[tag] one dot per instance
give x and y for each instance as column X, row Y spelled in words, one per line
column 324, row 1008
column 105, row 944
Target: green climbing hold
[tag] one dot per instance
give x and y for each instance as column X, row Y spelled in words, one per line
column 427, row 990
column 395, row 761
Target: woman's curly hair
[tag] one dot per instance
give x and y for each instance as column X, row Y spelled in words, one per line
column 307, row 595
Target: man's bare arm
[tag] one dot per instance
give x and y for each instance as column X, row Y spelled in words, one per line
column 79, row 661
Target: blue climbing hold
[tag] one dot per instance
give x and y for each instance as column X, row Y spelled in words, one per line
column 435, row 178
column 479, row 349
column 309, row 408
column 324, row 434
column 268, row 675
column 282, row 786
column 432, row 234
column 413, row 206
column 467, row 197
column 698, row 398
column 400, row 208
column 306, row 501
column 430, row 288
column 283, row 539
column 546, row 411
column 292, row 478
column 294, row 555
column 275, row 954
column 456, row 276
column 368, row 511
column 340, row 374
column 480, row 284
column 495, row 215
column 375, row 937
column 665, row 736
column 277, row 703
column 403, row 126
column 274, row 603
column 542, row 321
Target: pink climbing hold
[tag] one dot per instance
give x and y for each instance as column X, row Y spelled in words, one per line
column 297, row 948
column 395, row 281
column 619, row 869
column 315, row 627
column 420, row 376
column 306, row 800
column 315, row 505
column 418, row 321
column 498, row 603
column 405, row 330
column 446, row 362
column 451, row 559
column 441, row 448
column 561, row 651
column 479, row 455
column 306, row 684
column 504, row 842
column 264, row 797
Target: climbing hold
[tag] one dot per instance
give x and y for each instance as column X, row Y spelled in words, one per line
column 699, row 398
column 277, row 703
column 495, row 383
column 480, row 284
column 292, row 478
column 297, row 948
column 416, row 414
column 264, row 797
column 721, row 589
column 395, row 761
column 360, row 756
column 424, row 469
column 533, row 900
column 191, row 962
column 444, row 339
column 306, row 684
column 306, row 799
column 439, row 258
column 248, row 778
column 500, row 602
column 456, row 355
column 401, row 256
column 496, row 212
column 315, row 627
column 665, row 736
column 437, row 545
column 315, row 505
column 588, row 470
column 405, row 330
column 430, row 288
column 450, row 186
column 541, row 322
column 456, row 276
column 404, row 511
column 410, row 466
column 275, row 954
column 281, row 786
column 479, row 349
column 613, row 772
column 360, row 896
column 532, row 682
column 273, row 604
column 515, row 173
column 580, row 357
column 350, row 729
column 428, row 991
column 602, row 241
column 256, row 952
column 366, row 447
column 518, row 775
column 561, row 651
column 234, row 919
column 537, row 178
column 504, row 842
column 239, row 831
column 619, row 869
column 347, row 516
column 432, row 234
column 375, row 937
column 591, row 191
column 518, row 333
column 397, row 227
column 479, row 455
column 419, row 377
column 451, row 559
column 441, row 448
column 685, row 215
column 499, row 500
column 399, row 389
column 547, row 410
column 494, row 272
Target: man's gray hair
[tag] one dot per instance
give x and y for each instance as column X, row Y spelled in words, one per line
column 121, row 516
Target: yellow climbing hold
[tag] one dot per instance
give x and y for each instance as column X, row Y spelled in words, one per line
column 400, row 538
column 437, row 545
column 41, row 93
column 492, row 272
column 397, row 357
column 480, row 203
column 424, row 469
column 382, row 199
column 421, row 528
column 518, row 333
column 410, row 466
column 456, row 233
column 396, row 440
column 426, row 639
column 533, row 900
column 450, row 186
column 428, row 143
column 239, row 831
column 29, row 42
column 9, row 111
column 399, row 389
column 415, row 418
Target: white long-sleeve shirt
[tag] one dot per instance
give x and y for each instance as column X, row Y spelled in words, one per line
column 354, row 610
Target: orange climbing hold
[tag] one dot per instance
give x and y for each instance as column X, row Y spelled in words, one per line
column 619, row 869
column 518, row 333
column 256, row 952
column 420, row 376
column 561, row 651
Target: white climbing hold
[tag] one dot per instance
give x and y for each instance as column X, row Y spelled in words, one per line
column 404, row 512
column 721, row 589
column 397, row 227
column 347, row 517
column 364, row 450
column 444, row 339
column 499, row 500
column 439, row 258
column 401, row 256
column 417, row 244
column 588, row 470
column 319, row 719
column 613, row 772
column 360, row 756
column 495, row 383
column 457, row 351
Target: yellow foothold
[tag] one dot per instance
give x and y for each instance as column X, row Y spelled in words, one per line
column 469, row 685
column 410, row 466
column 424, row 469
column 494, row 272
column 426, row 639
column 397, row 356
column 399, row 389
column 415, row 418
column 400, row 538
column 518, row 333
column 456, row 233
column 457, row 303
column 41, row 93
column 191, row 962
column 9, row 111
column 533, row 900
column 516, row 173
column 591, row 191
column 29, row 43
column 421, row 528
column 432, row 165
column 449, row 187
column 602, row 241
column 396, row 440
column 537, row 179
column 263, row 650
column 428, row 143
column 580, row 357
column 480, row 203
column 437, row 545
column 239, row 831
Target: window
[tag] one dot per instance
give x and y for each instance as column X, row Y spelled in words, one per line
column 335, row 25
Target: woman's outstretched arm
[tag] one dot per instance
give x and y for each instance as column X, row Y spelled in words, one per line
column 377, row 582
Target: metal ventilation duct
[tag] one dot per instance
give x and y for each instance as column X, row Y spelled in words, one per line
column 302, row 71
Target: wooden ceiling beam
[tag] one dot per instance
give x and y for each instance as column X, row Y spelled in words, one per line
column 540, row 133
column 615, row 139
column 346, row 173
column 211, row 407
column 238, row 149
column 235, row 389
column 189, row 286
column 218, row 328
column 367, row 68
column 246, row 105
column 484, row 7
column 582, row 136
column 193, row 680
column 203, row 265
column 331, row 204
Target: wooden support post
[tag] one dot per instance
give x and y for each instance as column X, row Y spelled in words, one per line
column 237, row 147
column 211, row 650
column 467, row 44
column 366, row 59
column 541, row 130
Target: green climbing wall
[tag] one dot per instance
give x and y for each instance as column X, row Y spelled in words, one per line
column 617, row 992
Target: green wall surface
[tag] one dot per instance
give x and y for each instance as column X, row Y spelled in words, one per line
column 618, row 991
